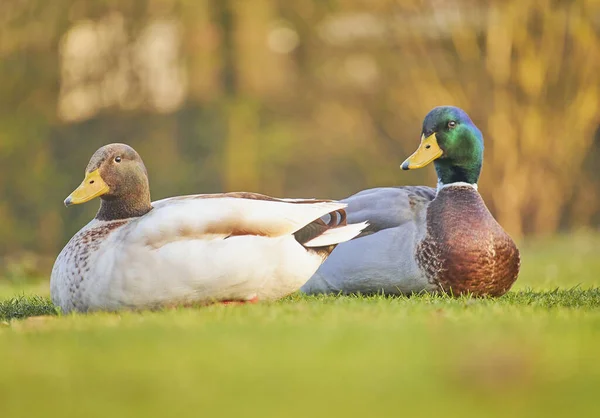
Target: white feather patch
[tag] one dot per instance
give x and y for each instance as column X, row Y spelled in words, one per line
column 441, row 185
column 204, row 218
column 337, row 235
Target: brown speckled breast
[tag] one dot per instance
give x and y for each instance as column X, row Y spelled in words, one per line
column 74, row 260
column 465, row 250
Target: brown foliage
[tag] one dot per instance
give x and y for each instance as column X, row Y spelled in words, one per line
column 304, row 98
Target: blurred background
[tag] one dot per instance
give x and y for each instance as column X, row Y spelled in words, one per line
column 302, row 98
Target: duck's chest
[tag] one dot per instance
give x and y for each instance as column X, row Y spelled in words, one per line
column 465, row 250
column 78, row 264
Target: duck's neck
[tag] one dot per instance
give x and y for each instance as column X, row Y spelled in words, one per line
column 124, row 208
column 441, row 186
column 449, row 171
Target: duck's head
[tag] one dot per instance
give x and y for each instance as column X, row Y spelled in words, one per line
column 453, row 142
column 116, row 174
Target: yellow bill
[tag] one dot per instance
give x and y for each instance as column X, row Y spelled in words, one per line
column 91, row 187
column 428, row 151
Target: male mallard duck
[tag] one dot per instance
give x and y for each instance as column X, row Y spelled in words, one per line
column 423, row 239
column 189, row 249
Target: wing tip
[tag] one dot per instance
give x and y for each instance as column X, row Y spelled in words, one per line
column 337, row 235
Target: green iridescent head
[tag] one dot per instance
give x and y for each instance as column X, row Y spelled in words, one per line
column 453, row 142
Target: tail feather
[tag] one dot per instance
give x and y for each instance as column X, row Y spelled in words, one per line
column 337, row 235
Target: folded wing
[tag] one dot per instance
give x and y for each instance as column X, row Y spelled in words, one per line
column 235, row 214
column 388, row 207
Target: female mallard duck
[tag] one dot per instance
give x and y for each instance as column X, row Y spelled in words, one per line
column 423, row 239
column 190, row 249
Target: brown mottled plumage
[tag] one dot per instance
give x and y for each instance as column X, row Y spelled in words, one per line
column 465, row 250
column 77, row 253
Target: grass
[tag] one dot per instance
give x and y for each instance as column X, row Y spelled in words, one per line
column 530, row 353
column 26, row 306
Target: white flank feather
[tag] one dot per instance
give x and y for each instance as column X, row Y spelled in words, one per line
column 337, row 235
column 219, row 215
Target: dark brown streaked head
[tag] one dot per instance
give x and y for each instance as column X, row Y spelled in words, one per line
column 117, row 175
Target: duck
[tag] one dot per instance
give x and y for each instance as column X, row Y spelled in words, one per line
column 424, row 239
column 187, row 250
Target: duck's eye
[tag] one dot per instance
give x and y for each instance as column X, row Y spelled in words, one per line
column 117, row 159
column 451, row 124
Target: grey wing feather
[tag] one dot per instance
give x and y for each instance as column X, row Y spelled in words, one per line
column 388, row 207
